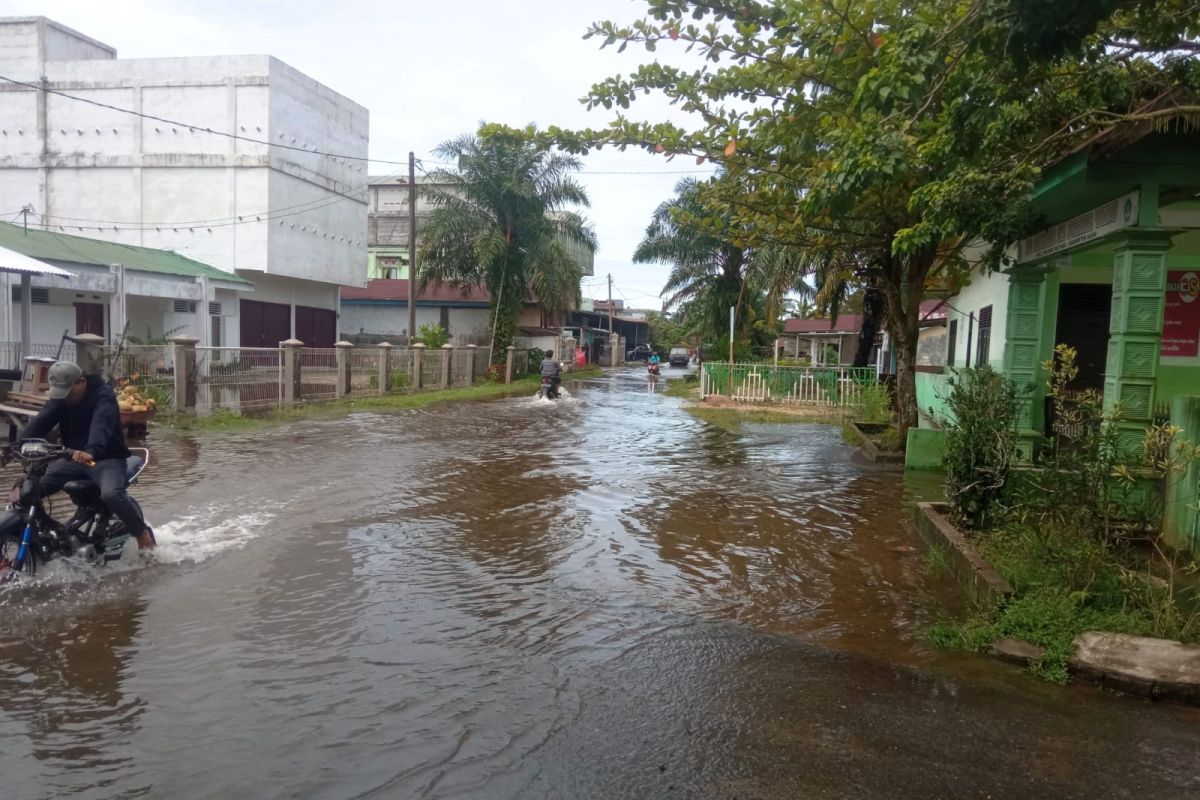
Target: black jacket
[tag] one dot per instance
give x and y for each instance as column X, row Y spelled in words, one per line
column 93, row 426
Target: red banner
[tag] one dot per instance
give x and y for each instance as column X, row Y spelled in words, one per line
column 1181, row 315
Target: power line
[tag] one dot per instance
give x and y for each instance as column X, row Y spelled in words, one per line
column 192, row 127
column 310, row 150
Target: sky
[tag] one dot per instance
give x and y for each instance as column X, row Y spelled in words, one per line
column 430, row 71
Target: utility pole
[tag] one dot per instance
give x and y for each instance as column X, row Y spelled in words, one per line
column 610, row 302
column 26, row 210
column 412, row 248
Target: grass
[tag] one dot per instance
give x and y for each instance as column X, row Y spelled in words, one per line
column 732, row 418
column 682, row 387
column 936, row 562
column 224, row 420
column 1065, row 585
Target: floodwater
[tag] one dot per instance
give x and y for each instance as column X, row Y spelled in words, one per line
column 598, row 598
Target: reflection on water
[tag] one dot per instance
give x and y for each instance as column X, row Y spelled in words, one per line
column 601, row 597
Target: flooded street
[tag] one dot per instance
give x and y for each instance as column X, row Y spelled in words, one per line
column 599, row 598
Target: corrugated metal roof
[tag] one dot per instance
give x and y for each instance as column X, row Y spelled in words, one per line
column 12, row 261
column 64, row 248
column 396, row 290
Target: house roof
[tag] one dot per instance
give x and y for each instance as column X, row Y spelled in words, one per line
column 933, row 312
column 63, row 248
column 396, row 291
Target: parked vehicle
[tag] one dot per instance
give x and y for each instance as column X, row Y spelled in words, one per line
column 29, row 535
column 548, row 390
column 640, row 352
column 679, row 357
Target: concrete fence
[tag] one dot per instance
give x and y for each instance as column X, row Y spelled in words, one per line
column 193, row 379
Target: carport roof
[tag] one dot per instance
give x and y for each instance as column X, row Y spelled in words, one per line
column 63, row 248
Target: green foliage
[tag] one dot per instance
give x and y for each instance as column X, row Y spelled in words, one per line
column 936, row 562
column 710, row 273
column 504, row 220
column 981, row 444
column 432, row 335
column 874, row 404
column 1065, row 585
column 873, row 141
column 397, row 380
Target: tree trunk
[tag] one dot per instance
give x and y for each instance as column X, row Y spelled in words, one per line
column 873, row 309
column 906, row 382
column 903, row 286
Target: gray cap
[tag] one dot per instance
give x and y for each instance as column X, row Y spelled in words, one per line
column 62, row 377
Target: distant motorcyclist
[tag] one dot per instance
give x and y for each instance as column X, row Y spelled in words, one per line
column 84, row 409
column 552, row 369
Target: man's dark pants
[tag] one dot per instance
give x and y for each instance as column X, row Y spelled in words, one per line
column 109, row 475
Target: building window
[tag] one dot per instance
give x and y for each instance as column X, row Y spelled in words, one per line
column 185, row 306
column 214, row 309
column 985, row 336
column 951, row 341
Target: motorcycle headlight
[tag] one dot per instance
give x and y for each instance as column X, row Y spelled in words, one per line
column 34, row 449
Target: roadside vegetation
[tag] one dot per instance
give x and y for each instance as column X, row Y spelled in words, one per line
column 1076, row 531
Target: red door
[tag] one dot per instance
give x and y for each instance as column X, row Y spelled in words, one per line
column 316, row 327
column 264, row 324
column 89, row 318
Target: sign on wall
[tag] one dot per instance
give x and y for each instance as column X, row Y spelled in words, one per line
column 1099, row 222
column 1181, row 315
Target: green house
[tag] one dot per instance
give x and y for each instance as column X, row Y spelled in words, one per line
column 1113, row 272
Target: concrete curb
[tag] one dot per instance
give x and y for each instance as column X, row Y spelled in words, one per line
column 872, row 452
column 1157, row 668
column 974, row 573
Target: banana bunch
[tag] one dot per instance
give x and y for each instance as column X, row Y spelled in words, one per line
column 130, row 399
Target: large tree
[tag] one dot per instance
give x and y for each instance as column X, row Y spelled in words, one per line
column 893, row 132
column 506, row 221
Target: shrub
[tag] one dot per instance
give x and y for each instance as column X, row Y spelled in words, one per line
column 874, row 404
column 432, row 335
column 981, row 444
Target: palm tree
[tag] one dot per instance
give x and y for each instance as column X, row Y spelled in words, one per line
column 709, row 271
column 506, row 222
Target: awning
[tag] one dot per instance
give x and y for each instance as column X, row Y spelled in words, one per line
column 12, row 261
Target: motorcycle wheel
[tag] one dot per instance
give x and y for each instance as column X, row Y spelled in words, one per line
column 9, row 545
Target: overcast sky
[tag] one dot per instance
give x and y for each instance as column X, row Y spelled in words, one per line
column 428, row 71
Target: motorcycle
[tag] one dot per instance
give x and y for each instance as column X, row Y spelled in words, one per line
column 29, row 535
column 548, row 390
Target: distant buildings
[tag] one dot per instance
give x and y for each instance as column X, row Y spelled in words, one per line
column 282, row 209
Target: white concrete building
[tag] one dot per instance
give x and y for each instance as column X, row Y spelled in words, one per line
column 293, row 222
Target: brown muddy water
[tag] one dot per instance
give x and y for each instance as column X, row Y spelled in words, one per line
column 599, row 598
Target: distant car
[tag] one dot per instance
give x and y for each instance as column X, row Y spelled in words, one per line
column 639, row 353
column 679, row 357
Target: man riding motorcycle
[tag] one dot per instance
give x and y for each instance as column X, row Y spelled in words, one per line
column 552, row 370
column 84, row 408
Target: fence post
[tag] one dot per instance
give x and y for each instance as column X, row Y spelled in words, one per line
column 385, row 366
column 291, row 371
column 509, row 363
column 185, row 372
column 89, row 353
column 418, row 362
column 614, row 357
column 447, row 358
column 344, row 349
column 473, row 349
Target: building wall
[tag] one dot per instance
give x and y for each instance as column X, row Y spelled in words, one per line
column 984, row 290
column 136, row 180
column 467, row 325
